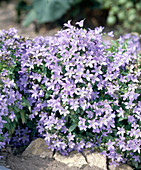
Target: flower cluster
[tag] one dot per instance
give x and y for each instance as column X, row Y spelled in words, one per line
column 82, row 91
column 21, row 137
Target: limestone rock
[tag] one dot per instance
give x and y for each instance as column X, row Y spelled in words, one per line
column 38, row 147
column 75, row 159
column 95, row 159
column 120, row 167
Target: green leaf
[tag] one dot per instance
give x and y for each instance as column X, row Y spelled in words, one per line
column 72, row 127
column 7, row 126
column 72, row 112
column 1, row 67
column 122, row 1
column 23, row 116
column 31, row 16
column 107, row 4
column 1, row 138
column 128, row 127
column 26, row 103
column 138, row 6
column 29, row 108
column 90, row 135
column 51, row 11
column 111, row 20
column 16, row 108
column 135, row 164
column 139, row 167
column 12, row 129
column 47, row 95
column 74, row 2
column 114, row 10
column 121, row 15
column 44, row 70
column 132, row 17
column 16, row 119
column 129, row 4
column 132, row 11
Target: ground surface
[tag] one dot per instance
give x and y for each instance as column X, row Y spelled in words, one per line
column 8, row 20
column 11, row 161
column 37, row 163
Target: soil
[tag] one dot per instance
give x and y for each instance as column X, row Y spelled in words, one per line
column 8, row 19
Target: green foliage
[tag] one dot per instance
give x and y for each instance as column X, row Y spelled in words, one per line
column 48, row 11
column 125, row 12
column 122, row 12
column 31, row 16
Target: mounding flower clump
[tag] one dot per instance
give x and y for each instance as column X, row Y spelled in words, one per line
column 77, row 89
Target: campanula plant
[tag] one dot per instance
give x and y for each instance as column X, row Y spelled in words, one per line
column 81, row 91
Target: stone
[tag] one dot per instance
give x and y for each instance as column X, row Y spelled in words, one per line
column 120, row 167
column 41, row 169
column 22, row 159
column 44, row 155
column 95, row 159
column 39, row 148
column 74, row 159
